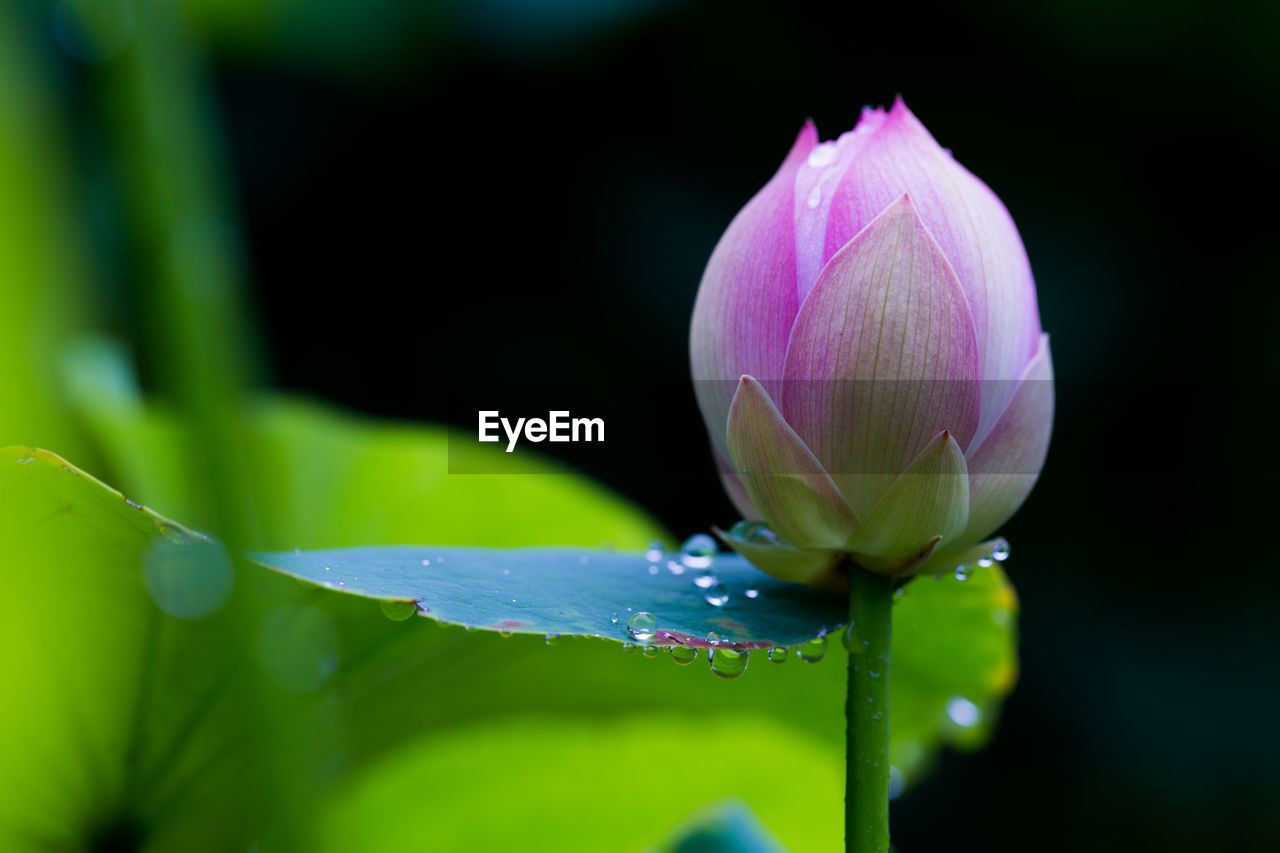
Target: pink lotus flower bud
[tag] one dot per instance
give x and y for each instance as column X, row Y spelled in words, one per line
column 867, row 355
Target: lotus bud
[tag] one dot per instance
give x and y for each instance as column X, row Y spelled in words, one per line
column 867, row 355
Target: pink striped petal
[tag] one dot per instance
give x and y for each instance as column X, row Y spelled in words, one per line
column 928, row 505
column 816, row 182
column 747, row 298
column 882, row 357
column 1005, row 466
column 787, row 484
column 975, row 231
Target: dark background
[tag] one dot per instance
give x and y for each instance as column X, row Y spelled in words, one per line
column 504, row 191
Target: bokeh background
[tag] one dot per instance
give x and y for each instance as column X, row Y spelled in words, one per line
column 418, row 195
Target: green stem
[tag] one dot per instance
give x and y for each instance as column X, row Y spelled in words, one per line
column 866, row 811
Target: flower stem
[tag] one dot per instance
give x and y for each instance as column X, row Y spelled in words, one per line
column 866, row 810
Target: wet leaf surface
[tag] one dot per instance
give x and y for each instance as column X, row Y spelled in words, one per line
column 578, row 592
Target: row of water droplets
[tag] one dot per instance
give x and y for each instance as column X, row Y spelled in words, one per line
column 998, row 554
column 726, row 662
column 697, row 557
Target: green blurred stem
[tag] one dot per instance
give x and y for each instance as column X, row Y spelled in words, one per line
column 866, row 805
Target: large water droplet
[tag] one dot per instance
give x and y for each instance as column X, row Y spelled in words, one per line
column 823, row 155
column 650, row 651
column 684, row 655
column 813, row 651
column 963, row 712
column 398, row 611
column 717, row 595
column 298, row 647
column 698, row 551
column 654, row 552
column 778, row 655
column 897, row 782
column 642, row 625
column 755, row 532
column 188, row 581
column 728, row 663
column 1000, row 551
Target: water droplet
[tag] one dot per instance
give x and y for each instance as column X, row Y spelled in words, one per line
column 754, row 532
column 398, row 611
column 713, row 638
column 506, row 571
column 852, row 642
column 985, row 562
column 778, row 655
column 963, row 712
column 684, row 655
column 25, row 460
column 629, row 648
column 815, row 197
column 897, row 782
column 1000, row 551
column 717, row 596
column 614, row 619
column 428, row 562
column 650, row 651
column 675, row 568
column 583, row 560
column 823, row 155
column 813, row 651
column 728, row 663
column 705, row 580
column 873, row 673
column 506, row 635
column 698, row 551
column 187, row 581
column 653, row 570
column 654, row 552
column 298, row 647
column 964, row 572
column 642, row 625
column 552, row 639
column 752, row 593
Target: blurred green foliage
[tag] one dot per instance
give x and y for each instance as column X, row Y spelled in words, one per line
column 553, row 786
column 43, row 271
